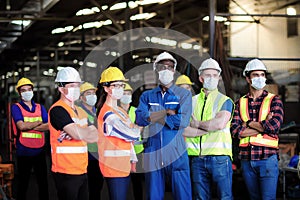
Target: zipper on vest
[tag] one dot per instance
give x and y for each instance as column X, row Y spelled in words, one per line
column 201, row 120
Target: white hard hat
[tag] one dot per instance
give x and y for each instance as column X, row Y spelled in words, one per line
column 164, row 56
column 253, row 65
column 67, row 74
column 209, row 64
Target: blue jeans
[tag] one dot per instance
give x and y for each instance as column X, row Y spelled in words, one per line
column 261, row 177
column 212, row 169
column 118, row 187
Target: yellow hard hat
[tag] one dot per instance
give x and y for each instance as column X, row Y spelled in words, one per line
column 86, row 86
column 23, row 81
column 112, row 74
column 128, row 87
column 183, row 79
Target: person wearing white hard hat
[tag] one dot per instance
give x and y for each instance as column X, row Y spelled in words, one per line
column 69, row 135
column 257, row 119
column 30, row 120
column 208, row 136
column 166, row 110
column 87, row 101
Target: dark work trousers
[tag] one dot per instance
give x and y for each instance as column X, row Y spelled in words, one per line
column 25, row 165
column 95, row 180
column 118, row 187
column 71, row 187
column 138, row 178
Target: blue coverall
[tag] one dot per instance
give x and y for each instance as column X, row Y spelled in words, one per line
column 165, row 154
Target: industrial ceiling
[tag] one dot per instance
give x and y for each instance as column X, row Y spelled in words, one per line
column 27, row 45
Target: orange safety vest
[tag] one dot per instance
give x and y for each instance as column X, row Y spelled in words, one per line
column 30, row 138
column 69, row 156
column 114, row 153
column 260, row 139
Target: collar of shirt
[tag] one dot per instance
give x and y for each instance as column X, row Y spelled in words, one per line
column 263, row 95
column 26, row 107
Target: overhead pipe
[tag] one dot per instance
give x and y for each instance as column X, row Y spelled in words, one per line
column 212, row 12
column 257, row 15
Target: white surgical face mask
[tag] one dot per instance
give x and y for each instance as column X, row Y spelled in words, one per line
column 91, row 99
column 117, row 93
column 210, row 83
column 73, row 94
column 27, row 96
column 126, row 99
column 258, row 83
column 165, row 76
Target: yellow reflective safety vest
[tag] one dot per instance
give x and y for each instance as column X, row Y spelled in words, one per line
column 30, row 138
column 260, row 139
column 69, row 156
column 215, row 142
column 138, row 148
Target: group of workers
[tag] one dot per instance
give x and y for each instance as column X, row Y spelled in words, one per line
column 96, row 135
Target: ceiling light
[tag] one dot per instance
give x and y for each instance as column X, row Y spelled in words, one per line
column 62, row 30
column 52, row 55
column 142, row 16
column 92, row 25
column 85, row 11
column 60, row 44
column 46, row 73
column 162, row 41
column 146, row 2
column 132, row 4
column 118, row 6
column 26, row 69
column 91, row 64
column 217, row 18
column 21, row 22
column 291, row 11
column 196, row 47
column 186, row 45
column 105, row 7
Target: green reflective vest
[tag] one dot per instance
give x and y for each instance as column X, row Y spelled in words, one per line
column 92, row 147
column 137, row 147
column 215, row 142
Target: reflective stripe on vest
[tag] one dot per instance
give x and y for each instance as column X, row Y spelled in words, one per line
column 260, row 139
column 30, row 135
column 69, row 156
column 31, row 138
column 116, row 153
column 70, row 149
column 215, row 142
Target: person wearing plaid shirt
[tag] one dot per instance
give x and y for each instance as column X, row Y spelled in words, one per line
column 256, row 122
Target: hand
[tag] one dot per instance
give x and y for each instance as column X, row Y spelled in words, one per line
column 270, row 115
column 157, row 116
column 171, row 112
column 194, row 122
column 133, row 167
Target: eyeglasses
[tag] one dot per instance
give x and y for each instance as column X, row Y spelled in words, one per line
column 122, row 85
column 160, row 67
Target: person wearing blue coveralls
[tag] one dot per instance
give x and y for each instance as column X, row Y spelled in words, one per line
column 167, row 110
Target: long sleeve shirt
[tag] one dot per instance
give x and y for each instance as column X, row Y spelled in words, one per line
column 271, row 126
